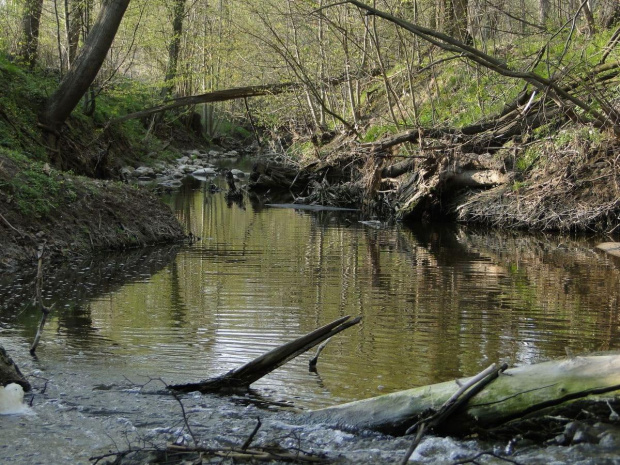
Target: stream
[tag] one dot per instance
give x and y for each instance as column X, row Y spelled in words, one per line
column 438, row 302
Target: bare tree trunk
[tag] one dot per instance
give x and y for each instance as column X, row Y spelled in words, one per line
column 74, row 18
column 461, row 23
column 609, row 13
column 174, row 47
column 87, row 64
column 543, row 11
column 30, row 31
column 587, row 12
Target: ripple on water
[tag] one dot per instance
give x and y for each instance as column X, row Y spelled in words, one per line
column 437, row 303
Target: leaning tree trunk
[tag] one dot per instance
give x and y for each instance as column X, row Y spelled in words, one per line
column 30, row 31
column 87, row 64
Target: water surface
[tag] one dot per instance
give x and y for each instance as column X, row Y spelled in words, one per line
column 438, row 302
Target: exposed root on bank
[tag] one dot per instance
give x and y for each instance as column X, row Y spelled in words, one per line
column 570, row 186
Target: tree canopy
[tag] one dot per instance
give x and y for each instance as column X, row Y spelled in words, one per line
column 349, row 64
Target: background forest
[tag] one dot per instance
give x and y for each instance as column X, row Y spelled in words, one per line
column 350, row 66
column 529, row 85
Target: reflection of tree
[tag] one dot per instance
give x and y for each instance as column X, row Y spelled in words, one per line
column 75, row 323
column 178, row 311
column 71, row 287
column 183, row 200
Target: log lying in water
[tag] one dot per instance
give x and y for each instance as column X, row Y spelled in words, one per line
column 242, row 377
column 549, row 388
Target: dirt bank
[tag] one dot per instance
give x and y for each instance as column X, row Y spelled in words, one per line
column 73, row 215
column 568, row 183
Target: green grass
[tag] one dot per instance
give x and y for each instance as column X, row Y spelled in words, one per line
column 376, row 132
column 35, row 188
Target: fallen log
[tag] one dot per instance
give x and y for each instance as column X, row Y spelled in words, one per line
column 474, row 178
column 211, row 97
column 563, row 387
column 242, row 377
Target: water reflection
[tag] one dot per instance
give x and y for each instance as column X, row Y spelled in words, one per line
column 438, row 302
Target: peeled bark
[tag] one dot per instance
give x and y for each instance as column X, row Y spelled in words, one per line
column 87, row 64
column 475, row 178
column 551, row 388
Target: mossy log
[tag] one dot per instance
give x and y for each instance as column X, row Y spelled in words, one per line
column 563, row 387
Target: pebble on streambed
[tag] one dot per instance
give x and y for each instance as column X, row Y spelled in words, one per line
column 193, row 163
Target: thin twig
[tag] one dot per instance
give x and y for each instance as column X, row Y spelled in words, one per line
column 459, row 398
column 39, row 299
column 11, row 226
column 250, row 438
column 313, row 361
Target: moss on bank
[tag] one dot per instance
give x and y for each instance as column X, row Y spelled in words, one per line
column 73, row 215
column 60, row 204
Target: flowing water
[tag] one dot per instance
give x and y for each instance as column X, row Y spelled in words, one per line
column 438, row 303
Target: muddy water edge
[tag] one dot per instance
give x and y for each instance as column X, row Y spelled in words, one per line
column 437, row 303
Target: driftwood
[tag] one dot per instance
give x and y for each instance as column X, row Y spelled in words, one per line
column 612, row 248
column 564, row 387
column 39, row 299
column 242, row 377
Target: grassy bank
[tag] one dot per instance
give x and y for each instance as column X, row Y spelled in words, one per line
column 76, row 206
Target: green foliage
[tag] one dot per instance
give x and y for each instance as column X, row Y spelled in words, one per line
column 21, row 95
column 301, row 149
column 35, row 188
column 376, row 132
column 232, row 128
column 527, row 158
column 577, row 136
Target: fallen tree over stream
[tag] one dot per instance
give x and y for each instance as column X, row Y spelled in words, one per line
column 241, row 378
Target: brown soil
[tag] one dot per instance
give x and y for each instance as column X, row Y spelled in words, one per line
column 82, row 215
column 568, row 191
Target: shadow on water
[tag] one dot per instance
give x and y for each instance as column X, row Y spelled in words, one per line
column 438, row 302
column 71, row 287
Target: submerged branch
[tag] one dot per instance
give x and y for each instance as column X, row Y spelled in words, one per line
column 242, row 377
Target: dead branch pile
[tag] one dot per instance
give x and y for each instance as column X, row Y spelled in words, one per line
column 181, row 454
